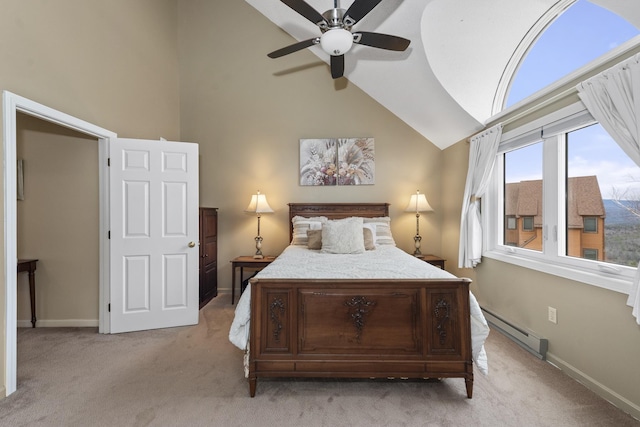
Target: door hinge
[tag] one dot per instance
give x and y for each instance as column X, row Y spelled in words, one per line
column 109, row 234
column 109, row 308
column 109, row 162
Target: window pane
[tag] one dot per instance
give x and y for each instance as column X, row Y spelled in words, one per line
column 590, row 254
column 581, row 34
column 527, row 223
column 603, row 199
column 523, row 197
column 590, row 224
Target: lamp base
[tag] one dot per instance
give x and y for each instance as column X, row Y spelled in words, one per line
column 258, row 240
column 417, row 239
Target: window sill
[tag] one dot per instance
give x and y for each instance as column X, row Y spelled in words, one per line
column 614, row 282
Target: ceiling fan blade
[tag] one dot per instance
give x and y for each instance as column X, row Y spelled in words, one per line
column 293, row 48
column 337, row 66
column 381, row 41
column 358, row 10
column 307, row 11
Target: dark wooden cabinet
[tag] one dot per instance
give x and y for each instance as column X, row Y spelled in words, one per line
column 208, row 254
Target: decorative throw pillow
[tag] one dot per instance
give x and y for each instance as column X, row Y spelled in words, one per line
column 383, row 230
column 301, row 225
column 369, row 235
column 343, row 236
column 314, row 238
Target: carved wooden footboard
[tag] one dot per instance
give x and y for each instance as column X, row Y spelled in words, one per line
column 410, row 328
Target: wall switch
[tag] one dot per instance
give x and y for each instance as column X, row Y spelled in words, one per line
column 553, row 315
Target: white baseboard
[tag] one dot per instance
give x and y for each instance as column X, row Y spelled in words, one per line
column 63, row 323
column 598, row 388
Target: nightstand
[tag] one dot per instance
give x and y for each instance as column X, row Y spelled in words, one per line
column 243, row 262
column 433, row 260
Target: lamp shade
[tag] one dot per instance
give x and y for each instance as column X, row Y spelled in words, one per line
column 259, row 204
column 418, row 203
column 337, row 41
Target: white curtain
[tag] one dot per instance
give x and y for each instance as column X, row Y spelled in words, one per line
column 613, row 99
column 482, row 157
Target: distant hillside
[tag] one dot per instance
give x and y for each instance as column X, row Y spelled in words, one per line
column 621, row 235
column 617, row 215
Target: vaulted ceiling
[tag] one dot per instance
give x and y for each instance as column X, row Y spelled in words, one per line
column 454, row 75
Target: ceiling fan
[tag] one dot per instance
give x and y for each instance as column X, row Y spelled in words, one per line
column 337, row 37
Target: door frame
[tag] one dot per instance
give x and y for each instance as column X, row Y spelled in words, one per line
column 12, row 104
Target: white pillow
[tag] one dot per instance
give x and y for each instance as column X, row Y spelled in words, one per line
column 343, row 236
column 383, row 230
column 302, row 224
column 372, row 245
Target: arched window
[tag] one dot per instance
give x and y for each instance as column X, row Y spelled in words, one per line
column 581, row 34
column 565, row 198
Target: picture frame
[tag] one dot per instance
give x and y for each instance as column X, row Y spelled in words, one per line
column 337, row 161
column 20, row 180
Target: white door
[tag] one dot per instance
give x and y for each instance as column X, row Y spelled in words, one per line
column 154, row 234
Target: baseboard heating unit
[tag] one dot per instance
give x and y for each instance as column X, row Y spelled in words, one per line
column 526, row 339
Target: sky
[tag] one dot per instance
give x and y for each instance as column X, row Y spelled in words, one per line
column 581, row 34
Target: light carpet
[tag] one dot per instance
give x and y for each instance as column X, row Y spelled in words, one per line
column 193, row 376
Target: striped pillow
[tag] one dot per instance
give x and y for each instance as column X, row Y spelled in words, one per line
column 383, row 230
column 302, row 224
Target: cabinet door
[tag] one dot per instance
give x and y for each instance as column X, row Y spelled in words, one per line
column 208, row 254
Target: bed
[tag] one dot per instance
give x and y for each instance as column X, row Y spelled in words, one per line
column 401, row 318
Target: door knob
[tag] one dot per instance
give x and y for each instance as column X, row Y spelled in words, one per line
column 192, row 244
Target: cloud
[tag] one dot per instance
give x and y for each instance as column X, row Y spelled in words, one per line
column 621, row 176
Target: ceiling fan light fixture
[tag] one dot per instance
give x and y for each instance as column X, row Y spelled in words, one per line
column 336, row 37
column 336, row 41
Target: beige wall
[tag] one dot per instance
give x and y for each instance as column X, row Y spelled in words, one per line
column 595, row 334
column 112, row 63
column 58, row 223
column 248, row 113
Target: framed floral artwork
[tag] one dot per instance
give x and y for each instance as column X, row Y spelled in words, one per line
column 337, row 161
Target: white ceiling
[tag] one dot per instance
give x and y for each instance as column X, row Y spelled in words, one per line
column 453, row 76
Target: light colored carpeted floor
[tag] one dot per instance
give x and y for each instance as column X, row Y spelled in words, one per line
column 193, row 376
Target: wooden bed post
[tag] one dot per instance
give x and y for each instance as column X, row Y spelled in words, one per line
column 252, row 387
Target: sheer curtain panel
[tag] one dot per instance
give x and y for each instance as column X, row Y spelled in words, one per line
column 483, row 149
column 613, row 99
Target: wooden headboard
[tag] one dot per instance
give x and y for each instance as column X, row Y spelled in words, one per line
column 336, row 211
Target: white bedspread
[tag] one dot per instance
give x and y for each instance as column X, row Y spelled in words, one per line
column 385, row 262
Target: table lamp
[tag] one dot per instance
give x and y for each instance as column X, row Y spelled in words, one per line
column 418, row 203
column 258, row 205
